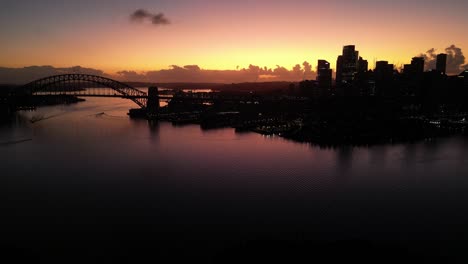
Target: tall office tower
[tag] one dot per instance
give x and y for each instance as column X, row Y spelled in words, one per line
column 339, row 70
column 324, row 76
column 417, row 65
column 383, row 70
column 347, row 65
column 383, row 76
column 363, row 65
column 407, row 69
column 323, row 64
column 441, row 64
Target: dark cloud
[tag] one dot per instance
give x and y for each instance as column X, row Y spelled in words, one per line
column 298, row 72
column 159, row 19
column 131, row 75
column 430, row 58
column 142, row 15
column 28, row 74
column 193, row 73
column 455, row 59
column 192, row 67
column 308, row 73
column 175, row 73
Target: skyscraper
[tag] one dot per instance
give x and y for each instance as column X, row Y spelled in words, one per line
column 441, row 65
column 347, row 65
column 323, row 64
column 383, row 70
column 339, row 70
column 383, row 76
column 324, row 76
column 363, row 65
column 416, row 68
column 417, row 65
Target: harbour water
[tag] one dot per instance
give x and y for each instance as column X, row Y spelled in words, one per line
column 85, row 180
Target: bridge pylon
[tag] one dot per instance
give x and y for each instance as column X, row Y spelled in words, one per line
column 152, row 105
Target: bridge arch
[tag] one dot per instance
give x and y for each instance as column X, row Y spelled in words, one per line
column 65, row 80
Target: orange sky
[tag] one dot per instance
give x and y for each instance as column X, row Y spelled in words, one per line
column 224, row 35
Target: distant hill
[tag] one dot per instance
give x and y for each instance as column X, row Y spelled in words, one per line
column 193, row 86
column 258, row 87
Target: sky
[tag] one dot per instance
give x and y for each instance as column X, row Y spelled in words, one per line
column 222, row 35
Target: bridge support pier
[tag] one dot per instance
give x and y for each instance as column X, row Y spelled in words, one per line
column 152, row 105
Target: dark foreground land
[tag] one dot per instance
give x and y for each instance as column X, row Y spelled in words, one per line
column 328, row 121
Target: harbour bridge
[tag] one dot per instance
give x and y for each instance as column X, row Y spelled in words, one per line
column 86, row 85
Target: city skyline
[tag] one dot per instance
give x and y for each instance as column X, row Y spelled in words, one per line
column 144, row 36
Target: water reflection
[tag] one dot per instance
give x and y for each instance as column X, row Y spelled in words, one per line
column 153, row 126
column 95, row 165
column 344, row 159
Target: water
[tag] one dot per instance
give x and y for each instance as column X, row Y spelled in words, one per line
column 88, row 181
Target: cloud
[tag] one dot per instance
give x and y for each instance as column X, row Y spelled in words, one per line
column 194, row 73
column 142, row 15
column 28, row 74
column 430, row 58
column 192, row 67
column 455, row 59
column 308, row 73
column 131, row 75
column 175, row 73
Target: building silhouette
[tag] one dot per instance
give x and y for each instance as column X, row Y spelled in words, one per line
column 441, row 64
column 363, row 84
column 464, row 76
column 324, row 77
column 383, row 75
column 363, row 65
column 417, row 65
column 415, row 68
column 323, row 64
column 347, row 65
